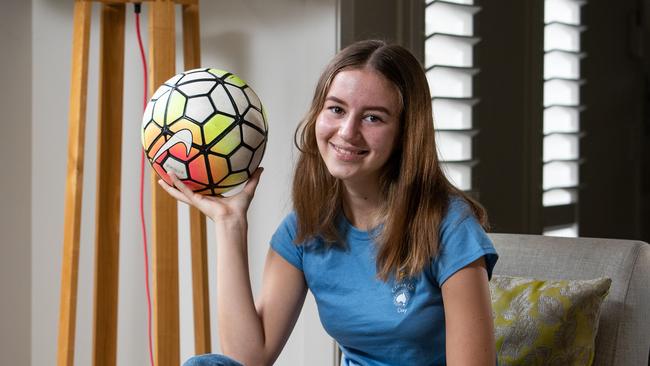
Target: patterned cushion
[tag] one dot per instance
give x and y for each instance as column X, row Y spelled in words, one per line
column 546, row 322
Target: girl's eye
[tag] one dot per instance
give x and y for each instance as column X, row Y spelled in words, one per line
column 335, row 109
column 372, row 118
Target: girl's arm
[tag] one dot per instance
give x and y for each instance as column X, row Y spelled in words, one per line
column 249, row 333
column 468, row 317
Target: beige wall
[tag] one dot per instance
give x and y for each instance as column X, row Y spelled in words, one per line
column 15, row 275
column 278, row 46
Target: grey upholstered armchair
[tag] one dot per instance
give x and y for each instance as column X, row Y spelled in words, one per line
column 623, row 337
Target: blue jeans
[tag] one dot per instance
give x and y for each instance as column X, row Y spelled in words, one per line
column 211, row 360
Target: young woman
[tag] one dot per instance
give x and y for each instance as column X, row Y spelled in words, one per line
column 395, row 256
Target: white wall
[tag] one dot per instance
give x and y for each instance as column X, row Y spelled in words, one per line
column 15, row 107
column 280, row 47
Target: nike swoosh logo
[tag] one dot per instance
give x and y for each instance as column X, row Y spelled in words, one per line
column 183, row 136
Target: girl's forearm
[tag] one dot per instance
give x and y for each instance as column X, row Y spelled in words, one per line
column 241, row 331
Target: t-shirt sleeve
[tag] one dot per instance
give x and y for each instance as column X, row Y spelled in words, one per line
column 462, row 241
column 282, row 241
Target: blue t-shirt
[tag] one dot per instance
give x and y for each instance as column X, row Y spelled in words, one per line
column 384, row 323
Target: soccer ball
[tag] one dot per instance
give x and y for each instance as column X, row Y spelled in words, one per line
column 208, row 127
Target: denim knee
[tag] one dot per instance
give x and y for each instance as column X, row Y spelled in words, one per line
column 211, row 360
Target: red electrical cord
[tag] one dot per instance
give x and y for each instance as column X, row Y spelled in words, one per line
column 142, row 220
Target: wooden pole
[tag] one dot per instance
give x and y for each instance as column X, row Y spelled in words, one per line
column 74, row 181
column 198, row 237
column 109, row 159
column 164, row 212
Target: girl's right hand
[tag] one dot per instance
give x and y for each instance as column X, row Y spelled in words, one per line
column 215, row 207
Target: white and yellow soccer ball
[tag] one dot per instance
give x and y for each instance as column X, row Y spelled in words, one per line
column 208, row 127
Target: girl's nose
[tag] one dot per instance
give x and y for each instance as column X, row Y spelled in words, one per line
column 349, row 127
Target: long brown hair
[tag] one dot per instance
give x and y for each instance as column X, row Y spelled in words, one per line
column 416, row 190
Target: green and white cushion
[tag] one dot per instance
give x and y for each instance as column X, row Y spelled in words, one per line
column 546, row 322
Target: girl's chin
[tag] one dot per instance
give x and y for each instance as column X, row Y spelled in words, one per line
column 346, row 175
column 340, row 173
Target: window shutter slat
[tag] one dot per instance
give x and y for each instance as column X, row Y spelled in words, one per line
column 561, row 119
column 560, row 196
column 448, row 17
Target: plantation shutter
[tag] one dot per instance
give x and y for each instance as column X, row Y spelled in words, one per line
column 561, row 120
column 449, row 63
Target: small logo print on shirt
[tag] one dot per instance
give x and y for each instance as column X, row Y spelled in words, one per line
column 402, row 293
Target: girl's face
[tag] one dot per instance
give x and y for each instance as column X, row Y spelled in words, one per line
column 357, row 129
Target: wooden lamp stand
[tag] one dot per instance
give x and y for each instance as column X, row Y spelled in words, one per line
column 107, row 218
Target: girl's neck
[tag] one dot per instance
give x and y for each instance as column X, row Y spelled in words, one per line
column 362, row 206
